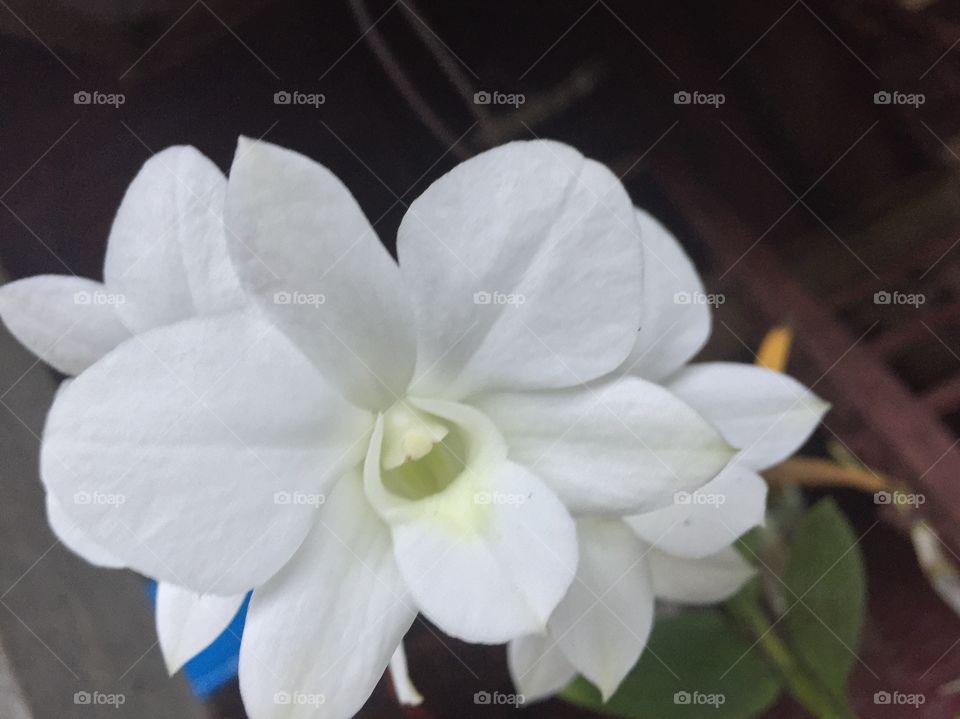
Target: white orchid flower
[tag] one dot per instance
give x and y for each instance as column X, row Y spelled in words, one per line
column 331, row 449
column 683, row 553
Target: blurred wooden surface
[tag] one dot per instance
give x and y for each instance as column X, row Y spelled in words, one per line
column 11, row 694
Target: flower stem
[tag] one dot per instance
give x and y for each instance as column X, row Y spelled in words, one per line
column 809, row 693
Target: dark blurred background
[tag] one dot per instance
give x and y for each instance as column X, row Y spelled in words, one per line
column 815, row 166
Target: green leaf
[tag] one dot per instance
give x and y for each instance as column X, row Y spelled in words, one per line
column 698, row 651
column 826, row 595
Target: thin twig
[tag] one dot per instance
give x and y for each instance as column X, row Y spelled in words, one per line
column 399, row 78
column 450, row 66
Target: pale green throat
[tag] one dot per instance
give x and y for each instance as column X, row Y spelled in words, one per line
column 422, row 454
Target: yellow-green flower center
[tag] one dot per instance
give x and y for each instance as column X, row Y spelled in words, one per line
column 422, row 454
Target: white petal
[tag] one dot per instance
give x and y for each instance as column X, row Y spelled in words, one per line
column 603, row 623
column 524, row 268
column 625, row 445
column 70, row 534
column 705, row 521
column 403, row 685
column 766, row 414
column 68, row 322
column 75, row 539
column 537, row 667
column 187, row 622
column 676, row 318
column 164, row 240
column 320, row 634
column 312, row 261
column 488, row 558
column 489, row 578
column 213, row 280
column 698, row 581
column 171, row 451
